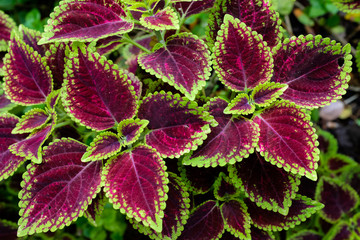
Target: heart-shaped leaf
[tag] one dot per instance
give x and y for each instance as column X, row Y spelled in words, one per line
column 96, row 93
column 87, row 20
column 205, row 222
column 31, row 120
column 129, row 130
column 240, row 105
column 224, row 189
column 264, row 94
column 28, row 79
column 301, row 209
column 229, row 142
column 267, row 185
column 288, row 140
column 241, row 57
column 105, row 145
column 176, row 124
column 236, row 218
column 310, row 67
column 135, row 182
column 184, row 62
column 59, row 190
column 164, row 19
column 6, row 26
column 337, row 163
column 338, row 197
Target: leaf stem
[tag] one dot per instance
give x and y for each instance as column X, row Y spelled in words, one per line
column 127, row 39
column 62, row 124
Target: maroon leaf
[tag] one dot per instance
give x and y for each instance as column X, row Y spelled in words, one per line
column 59, row 190
column 94, row 210
column 188, row 8
column 31, row 38
column 224, row 188
column 31, row 120
column 162, row 20
column 130, row 130
column 240, row 105
column 8, row 230
column 258, row 234
column 56, row 59
column 340, row 231
column 6, row 25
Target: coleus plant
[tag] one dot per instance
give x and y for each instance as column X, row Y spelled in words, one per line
column 247, row 146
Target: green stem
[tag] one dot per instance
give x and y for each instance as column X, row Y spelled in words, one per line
column 127, row 39
column 62, row 124
column 160, row 37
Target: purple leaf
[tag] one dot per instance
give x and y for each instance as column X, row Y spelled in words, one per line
column 176, row 212
column 5, row 103
column 242, row 58
column 30, row 148
column 176, row 124
column 348, row 6
column 270, row 187
column 265, row 94
column 107, row 45
column 9, row 162
column 55, row 56
column 240, row 105
column 288, row 140
column 31, row 120
column 94, row 210
column 355, row 220
column 310, row 67
column 6, row 25
column 258, row 234
column 136, row 84
column 53, row 99
column 129, row 130
column 338, row 163
column 8, row 230
column 328, row 145
column 338, row 197
column 184, row 63
column 164, row 19
column 224, row 188
column 306, row 235
column 31, row 38
column 135, row 182
column 340, row 231
column 28, row 79
column 58, row 191
column 97, row 94
column 87, row 20
column 257, row 14
column 188, row 8
column 236, row 218
column 229, row 142
column 105, row 145
column 301, row 209
column 205, row 222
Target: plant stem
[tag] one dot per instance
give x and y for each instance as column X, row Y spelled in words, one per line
column 127, row 39
column 62, row 124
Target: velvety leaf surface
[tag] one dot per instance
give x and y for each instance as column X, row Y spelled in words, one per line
column 340, row 231
column 164, row 19
column 59, row 190
column 240, row 105
column 30, row 148
column 338, row 197
column 241, row 58
column 188, row 8
column 129, row 130
column 176, row 212
column 229, row 142
column 310, row 67
column 288, row 140
column 270, row 187
column 28, row 79
column 6, row 25
column 87, row 20
column 258, row 234
column 306, row 235
column 224, row 189
column 8, row 162
column 301, row 209
column 105, row 145
column 184, row 63
column 97, row 93
column 31, row 120
column 256, row 14
column 94, row 210
column 236, row 218
column 135, row 182
column 176, row 124
column 263, row 95
column 205, row 223
column 55, row 56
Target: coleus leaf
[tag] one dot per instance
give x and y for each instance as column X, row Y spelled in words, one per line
column 256, row 14
column 328, row 145
column 288, row 140
column 264, row 94
column 224, row 188
column 87, row 20
column 301, row 209
column 242, row 59
column 338, row 197
column 28, row 79
column 176, row 212
column 229, row 142
column 107, row 45
column 188, row 8
column 59, row 190
column 136, row 84
column 9, row 162
column 52, row 99
column 94, row 90
column 136, row 183
column 306, row 235
column 258, row 234
column 31, row 147
column 236, row 218
column 355, row 220
column 310, row 67
column 164, row 19
column 337, row 163
column 5, row 103
column 31, row 120
column 341, row 230
column 270, row 187
column 349, row 6
column 205, row 222
column 105, row 145
column 176, row 124
column 31, row 38
column 55, row 56
column 241, row 104
column 6, row 26
column 130, row 129
column 183, row 62
column 8, row 229
column 94, row 210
